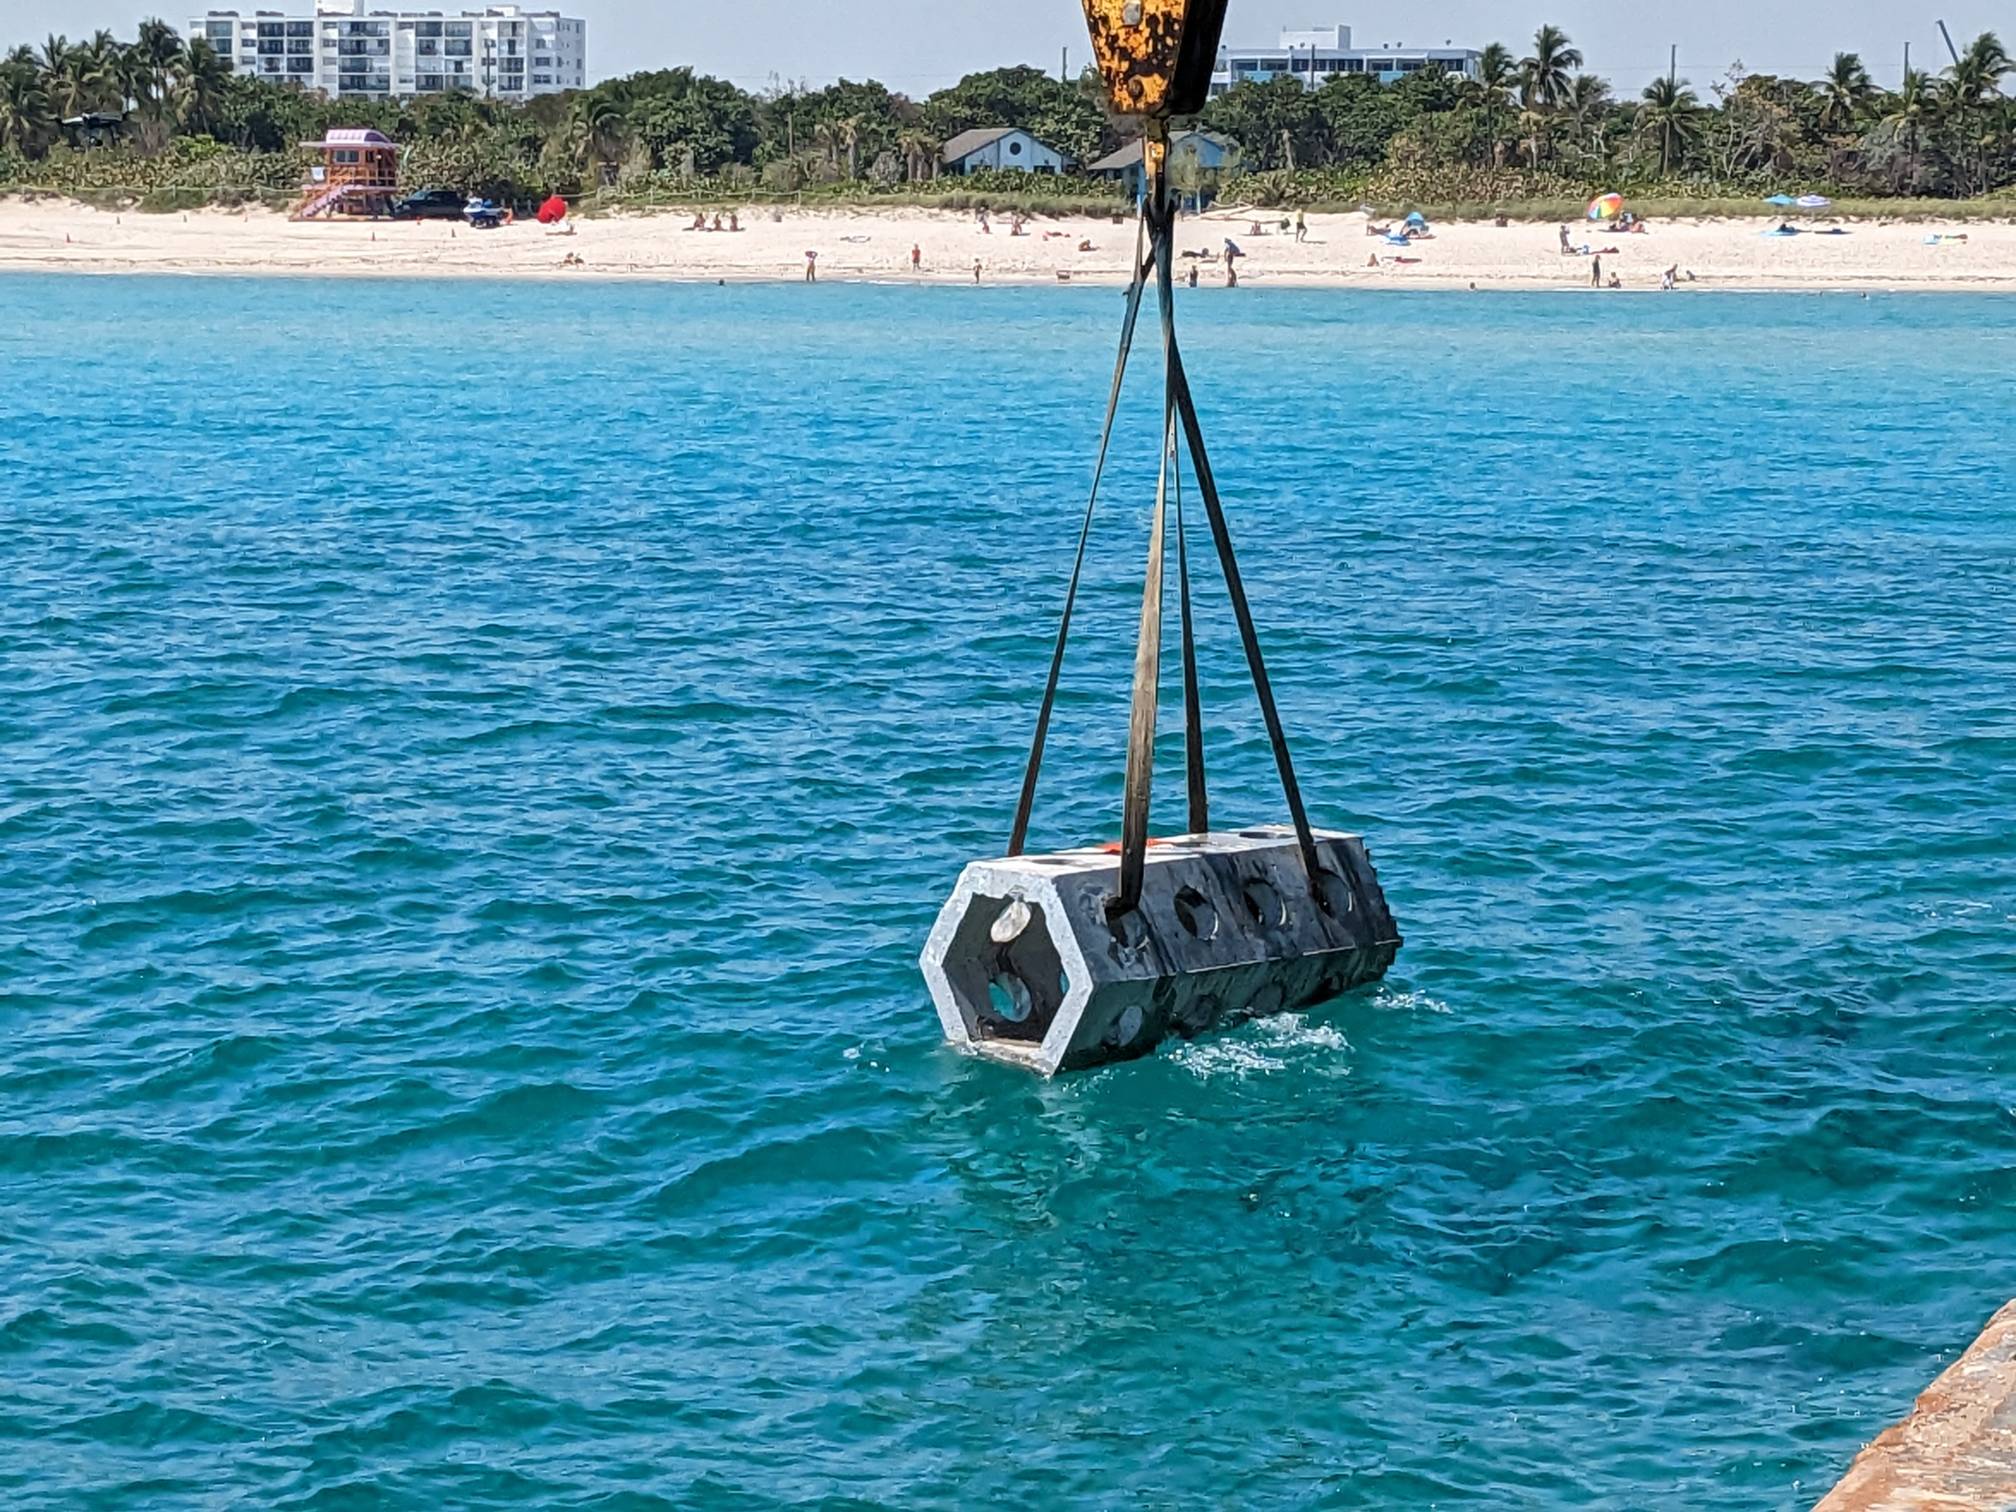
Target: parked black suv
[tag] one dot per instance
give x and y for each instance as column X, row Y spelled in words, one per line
column 431, row 204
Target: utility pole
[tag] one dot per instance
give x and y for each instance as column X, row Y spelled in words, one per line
column 1673, row 67
column 1950, row 48
column 1063, row 65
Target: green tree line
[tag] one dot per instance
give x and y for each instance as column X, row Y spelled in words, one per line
column 1533, row 111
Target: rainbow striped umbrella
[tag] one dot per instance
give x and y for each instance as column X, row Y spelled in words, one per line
column 1606, row 207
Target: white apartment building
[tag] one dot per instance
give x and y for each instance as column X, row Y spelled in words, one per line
column 505, row 52
column 1315, row 56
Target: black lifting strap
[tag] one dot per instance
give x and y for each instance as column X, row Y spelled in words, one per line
column 1193, row 712
column 1148, row 650
column 1207, row 485
column 1020, row 836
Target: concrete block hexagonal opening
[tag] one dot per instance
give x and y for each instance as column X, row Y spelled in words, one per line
column 1004, row 971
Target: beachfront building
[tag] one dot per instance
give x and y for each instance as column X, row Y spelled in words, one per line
column 505, row 52
column 1001, row 147
column 1197, row 159
column 1319, row 55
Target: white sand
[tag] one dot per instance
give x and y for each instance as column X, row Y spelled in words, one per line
column 57, row 236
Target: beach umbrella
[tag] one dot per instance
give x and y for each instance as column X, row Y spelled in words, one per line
column 1416, row 218
column 1813, row 202
column 1782, row 201
column 1606, row 207
column 553, row 211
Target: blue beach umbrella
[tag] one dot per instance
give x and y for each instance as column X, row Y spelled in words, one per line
column 1782, row 201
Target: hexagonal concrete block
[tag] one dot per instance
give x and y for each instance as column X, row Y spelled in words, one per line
column 1025, row 966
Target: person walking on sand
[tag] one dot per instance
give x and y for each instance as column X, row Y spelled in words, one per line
column 916, row 258
column 1566, row 249
column 976, row 270
column 1301, row 226
column 1596, row 271
column 1193, row 275
column 811, row 267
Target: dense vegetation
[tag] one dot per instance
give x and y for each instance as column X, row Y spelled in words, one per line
column 1530, row 128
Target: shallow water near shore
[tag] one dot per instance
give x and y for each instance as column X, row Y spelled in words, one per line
column 480, row 760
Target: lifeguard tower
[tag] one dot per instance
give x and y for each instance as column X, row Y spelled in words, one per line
column 358, row 175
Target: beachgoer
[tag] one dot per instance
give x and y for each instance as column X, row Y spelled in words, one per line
column 1015, row 227
column 699, row 223
column 811, row 267
column 984, row 226
column 1085, row 245
column 1231, row 273
column 1616, row 282
column 976, row 270
column 1193, row 275
column 717, row 226
column 1566, row 249
column 1301, row 226
column 734, row 221
column 1596, row 271
column 916, row 258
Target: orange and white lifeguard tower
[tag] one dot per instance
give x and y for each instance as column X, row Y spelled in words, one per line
column 358, row 175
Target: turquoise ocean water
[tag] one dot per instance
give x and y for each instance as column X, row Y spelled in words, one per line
column 477, row 764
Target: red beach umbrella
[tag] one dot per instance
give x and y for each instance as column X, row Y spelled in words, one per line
column 553, row 211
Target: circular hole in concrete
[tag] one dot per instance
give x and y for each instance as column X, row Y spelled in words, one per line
column 1195, row 913
column 1014, row 919
column 1335, row 894
column 1264, row 903
column 1008, row 998
column 1129, row 929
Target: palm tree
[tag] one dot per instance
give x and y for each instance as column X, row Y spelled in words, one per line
column 1670, row 116
column 601, row 127
column 100, row 65
column 68, row 77
column 1845, row 93
column 1982, row 66
column 847, row 133
column 1546, row 71
column 24, row 109
column 1586, row 105
column 1911, row 108
column 200, row 76
column 1975, row 76
column 1534, row 120
column 920, row 152
column 158, row 46
column 1497, row 73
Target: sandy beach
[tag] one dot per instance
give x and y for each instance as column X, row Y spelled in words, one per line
column 51, row 235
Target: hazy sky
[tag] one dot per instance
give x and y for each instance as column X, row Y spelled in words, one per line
column 918, row 45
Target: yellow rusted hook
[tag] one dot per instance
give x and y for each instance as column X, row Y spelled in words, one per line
column 1156, row 55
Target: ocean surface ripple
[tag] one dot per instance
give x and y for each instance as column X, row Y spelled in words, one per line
column 479, row 763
